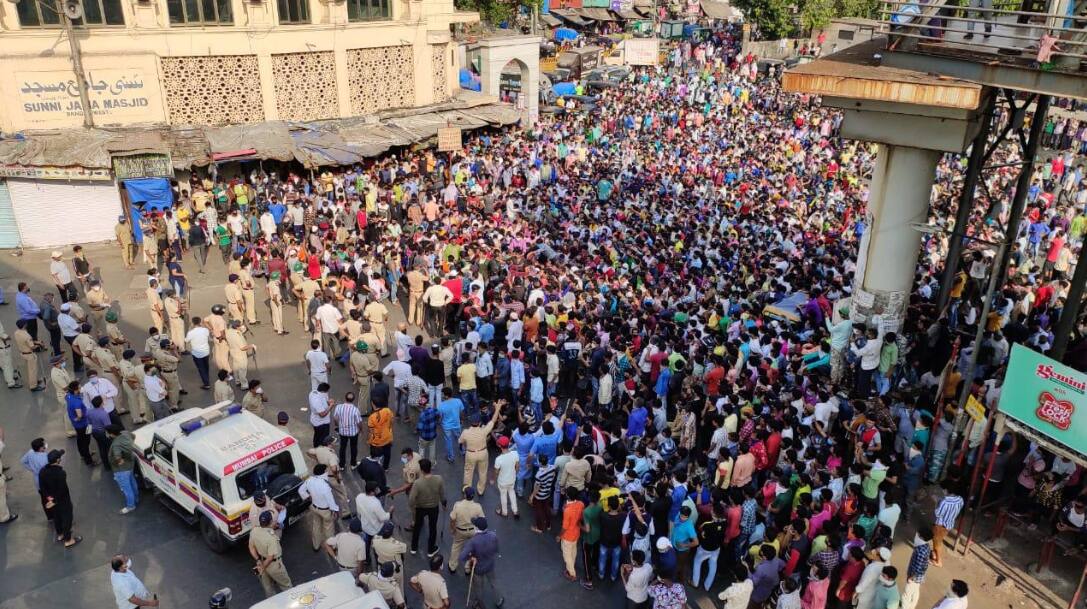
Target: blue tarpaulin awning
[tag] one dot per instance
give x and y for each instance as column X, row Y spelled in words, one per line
column 564, row 33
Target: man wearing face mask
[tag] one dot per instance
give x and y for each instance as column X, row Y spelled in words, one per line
column 128, row 590
column 955, row 597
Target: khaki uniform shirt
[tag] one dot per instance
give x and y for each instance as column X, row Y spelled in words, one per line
column 363, row 365
column 128, row 374
column 98, row 300
column 245, row 279
column 106, row 361
column 309, row 288
column 223, row 391
column 172, row 306
column 217, row 325
column 462, row 514
column 389, row 549
column 265, row 542
column 236, row 343
column 167, row 361
column 123, row 233
column 435, row 592
column 24, row 344
column 85, row 344
column 475, row 438
column 386, row 587
column 116, row 337
column 350, row 549
column 352, row 330
column 60, row 378
column 234, row 294
column 327, row 457
column 376, row 313
column 253, row 403
column 153, row 300
column 416, row 282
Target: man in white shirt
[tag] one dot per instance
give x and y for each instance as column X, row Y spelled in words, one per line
column 62, row 277
column 128, row 590
column 99, row 386
column 320, row 413
column 155, row 389
column 322, row 504
column 636, row 578
column 329, row 319
column 956, row 597
column 370, row 512
column 198, row 341
column 505, row 470
column 317, row 364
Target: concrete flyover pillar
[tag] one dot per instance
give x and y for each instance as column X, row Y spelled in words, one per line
column 898, row 196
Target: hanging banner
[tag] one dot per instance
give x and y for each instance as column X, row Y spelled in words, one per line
column 449, row 139
column 48, row 172
column 1046, row 396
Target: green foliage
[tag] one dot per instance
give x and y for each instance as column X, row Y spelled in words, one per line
column 497, row 11
column 773, row 17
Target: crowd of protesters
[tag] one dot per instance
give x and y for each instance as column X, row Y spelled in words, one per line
column 589, row 295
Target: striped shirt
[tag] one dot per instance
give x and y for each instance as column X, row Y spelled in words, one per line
column 347, row 419
column 948, row 511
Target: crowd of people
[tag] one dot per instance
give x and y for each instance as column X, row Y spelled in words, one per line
column 587, row 300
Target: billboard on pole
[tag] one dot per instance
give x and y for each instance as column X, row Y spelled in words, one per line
column 1046, row 396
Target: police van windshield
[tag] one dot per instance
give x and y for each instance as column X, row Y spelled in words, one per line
column 262, row 475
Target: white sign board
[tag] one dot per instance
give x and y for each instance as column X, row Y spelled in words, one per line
column 51, row 98
column 641, row 51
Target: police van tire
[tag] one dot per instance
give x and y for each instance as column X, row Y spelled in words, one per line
column 212, row 537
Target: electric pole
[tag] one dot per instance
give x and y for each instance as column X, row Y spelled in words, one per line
column 77, row 65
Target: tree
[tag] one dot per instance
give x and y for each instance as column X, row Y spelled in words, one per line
column 816, row 14
column 773, row 17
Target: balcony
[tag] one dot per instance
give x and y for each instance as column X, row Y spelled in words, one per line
column 1037, row 51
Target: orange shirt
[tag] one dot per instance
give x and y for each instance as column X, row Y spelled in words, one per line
column 571, row 520
column 381, row 427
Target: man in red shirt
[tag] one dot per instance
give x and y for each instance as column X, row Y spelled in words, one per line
column 454, row 284
column 571, row 532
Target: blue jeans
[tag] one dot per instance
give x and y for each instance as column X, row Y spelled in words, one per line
column 452, row 440
column 525, row 474
column 127, row 481
column 700, row 557
column 471, row 402
column 434, row 394
column 605, row 552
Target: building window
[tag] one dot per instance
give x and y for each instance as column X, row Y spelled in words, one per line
column 96, row 13
column 200, row 12
column 294, row 11
column 368, row 10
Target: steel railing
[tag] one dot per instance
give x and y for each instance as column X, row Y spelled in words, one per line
column 1014, row 34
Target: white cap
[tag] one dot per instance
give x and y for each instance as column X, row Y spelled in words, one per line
column 56, row 254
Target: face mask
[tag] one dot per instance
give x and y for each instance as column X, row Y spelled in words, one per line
column 404, row 460
column 914, row 452
column 260, row 390
column 63, row 365
column 128, row 563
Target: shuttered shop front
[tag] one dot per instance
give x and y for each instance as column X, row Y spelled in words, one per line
column 52, row 213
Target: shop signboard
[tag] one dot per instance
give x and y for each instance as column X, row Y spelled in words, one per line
column 1046, row 396
column 50, row 98
column 148, row 165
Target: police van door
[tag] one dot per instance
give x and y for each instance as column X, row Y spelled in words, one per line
column 162, row 462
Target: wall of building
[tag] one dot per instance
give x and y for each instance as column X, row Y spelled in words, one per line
column 524, row 52
column 253, row 70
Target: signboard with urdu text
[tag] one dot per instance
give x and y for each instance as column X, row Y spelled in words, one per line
column 1046, row 396
column 149, row 165
column 117, row 96
column 49, row 172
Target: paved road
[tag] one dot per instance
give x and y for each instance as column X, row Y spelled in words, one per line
column 170, row 556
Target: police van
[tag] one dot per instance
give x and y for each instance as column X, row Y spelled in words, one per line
column 336, row 591
column 206, row 464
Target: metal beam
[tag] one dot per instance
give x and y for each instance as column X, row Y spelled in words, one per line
column 1057, row 84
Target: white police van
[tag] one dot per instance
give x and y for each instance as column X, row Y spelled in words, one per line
column 336, row 591
column 206, row 464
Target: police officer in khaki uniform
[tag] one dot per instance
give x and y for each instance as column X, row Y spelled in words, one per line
column 383, row 583
column 248, row 286
column 326, row 455
column 390, row 549
column 223, row 390
column 305, row 293
column 265, row 549
column 348, row 548
column 235, row 302
column 132, row 385
column 261, row 504
column 217, row 325
column 154, row 301
column 124, row 239
column 474, row 440
column 254, row 399
column 460, row 523
column 416, row 287
column 364, row 364
column 99, row 302
column 84, row 346
column 27, row 347
column 60, row 378
column 239, row 350
column 275, row 303
column 352, row 328
column 175, row 311
column 167, row 360
column 117, row 341
column 377, row 314
column 109, row 368
column 6, row 364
